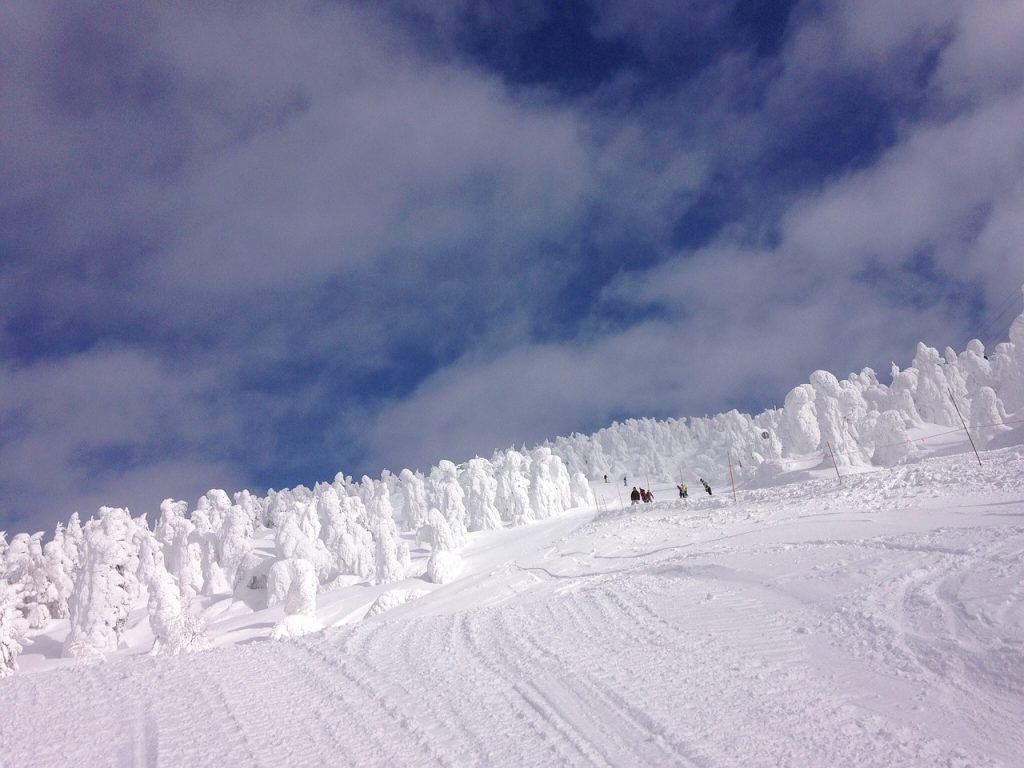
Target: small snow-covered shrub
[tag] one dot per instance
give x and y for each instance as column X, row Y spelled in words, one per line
column 392, row 599
column 444, row 567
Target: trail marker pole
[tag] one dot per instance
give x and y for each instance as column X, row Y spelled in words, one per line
column 834, row 463
column 731, row 479
column 965, row 426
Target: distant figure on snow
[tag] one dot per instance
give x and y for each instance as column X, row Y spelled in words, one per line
column 683, row 491
column 648, row 497
column 624, row 482
column 634, row 497
column 606, row 478
column 706, row 486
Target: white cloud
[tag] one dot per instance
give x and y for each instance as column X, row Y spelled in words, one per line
column 60, row 417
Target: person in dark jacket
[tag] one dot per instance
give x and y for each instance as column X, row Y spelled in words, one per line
column 706, row 486
column 634, row 497
column 683, row 491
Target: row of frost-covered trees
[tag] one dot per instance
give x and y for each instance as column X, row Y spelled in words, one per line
column 860, row 420
column 335, row 534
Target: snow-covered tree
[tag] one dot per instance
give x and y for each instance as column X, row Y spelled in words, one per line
column 833, row 428
column 26, row 566
column 151, row 556
column 987, row 416
column 207, row 543
column 12, row 628
column 60, row 571
column 545, row 494
column 512, row 488
column 901, row 392
column 480, row 488
column 235, row 542
column 581, row 494
column 1008, row 372
column 889, row 435
column 210, row 510
column 72, row 540
column 932, row 394
column 293, row 582
column 392, row 558
column 298, row 537
column 447, row 495
column 352, row 544
column 252, row 507
column 182, row 555
column 1010, row 384
column 800, row 431
column 175, row 628
column 439, row 534
column 106, row 587
column 415, row 503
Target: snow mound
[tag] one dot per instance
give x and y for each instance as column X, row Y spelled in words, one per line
column 295, row 625
column 444, row 567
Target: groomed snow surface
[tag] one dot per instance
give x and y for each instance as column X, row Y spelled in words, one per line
column 879, row 622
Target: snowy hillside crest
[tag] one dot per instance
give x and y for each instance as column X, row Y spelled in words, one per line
column 859, row 421
column 340, row 533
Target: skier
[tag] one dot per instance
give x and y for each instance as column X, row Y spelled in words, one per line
column 683, row 491
column 624, row 482
column 634, row 497
column 706, row 486
column 649, row 497
column 606, row 478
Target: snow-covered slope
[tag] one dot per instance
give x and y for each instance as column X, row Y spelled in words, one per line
column 876, row 622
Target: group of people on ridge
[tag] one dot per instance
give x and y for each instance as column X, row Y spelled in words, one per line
column 647, row 496
column 641, row 495
column 684, row 492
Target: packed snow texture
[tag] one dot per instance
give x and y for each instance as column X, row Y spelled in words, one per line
column 858, row 599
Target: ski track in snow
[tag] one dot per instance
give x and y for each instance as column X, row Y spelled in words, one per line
column 877, row 623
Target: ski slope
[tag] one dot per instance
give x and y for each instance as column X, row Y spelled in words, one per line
column 879, row 622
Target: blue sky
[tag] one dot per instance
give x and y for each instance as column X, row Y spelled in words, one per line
column 250, row 245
